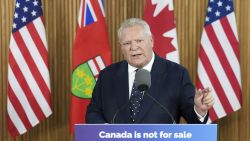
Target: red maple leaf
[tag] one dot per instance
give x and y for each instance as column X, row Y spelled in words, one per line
column 160, row 24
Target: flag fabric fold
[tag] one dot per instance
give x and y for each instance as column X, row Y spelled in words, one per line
column 28, row 100
column 159, row 14
column 219, row 59
column 91, row 54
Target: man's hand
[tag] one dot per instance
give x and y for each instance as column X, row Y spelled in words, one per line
column 203, row 101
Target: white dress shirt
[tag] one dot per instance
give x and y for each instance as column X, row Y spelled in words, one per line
column 132, row 71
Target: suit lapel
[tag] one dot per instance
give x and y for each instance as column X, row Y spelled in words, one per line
column 122, row 91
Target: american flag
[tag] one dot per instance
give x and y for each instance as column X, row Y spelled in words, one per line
column 219, row 59
column 28, row 99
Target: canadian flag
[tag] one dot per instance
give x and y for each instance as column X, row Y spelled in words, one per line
column 159, row 14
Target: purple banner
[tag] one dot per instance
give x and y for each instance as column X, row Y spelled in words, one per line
column 145, row 132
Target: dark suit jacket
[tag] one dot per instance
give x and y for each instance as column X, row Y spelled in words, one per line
column 170, row 85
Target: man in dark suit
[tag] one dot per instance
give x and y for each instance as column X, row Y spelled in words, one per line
column 171, row 87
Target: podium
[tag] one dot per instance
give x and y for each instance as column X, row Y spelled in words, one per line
column 146, row 132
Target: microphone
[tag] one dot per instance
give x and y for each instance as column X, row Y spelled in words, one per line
column 142, row 80
column 143, row 83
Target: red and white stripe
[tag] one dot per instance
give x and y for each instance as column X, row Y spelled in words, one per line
column 28, row 78
column 219, row 67
column 96, row 65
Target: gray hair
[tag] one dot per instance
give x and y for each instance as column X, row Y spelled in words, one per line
column 133, row 22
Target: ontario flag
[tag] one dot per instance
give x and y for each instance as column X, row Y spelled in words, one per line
column 219, row 59
column 91, row 54
column 28, row 100
column 159, row 14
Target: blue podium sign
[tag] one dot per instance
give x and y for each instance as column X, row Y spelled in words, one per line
column 146, row 132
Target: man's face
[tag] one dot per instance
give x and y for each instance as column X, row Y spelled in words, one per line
column 137, row 48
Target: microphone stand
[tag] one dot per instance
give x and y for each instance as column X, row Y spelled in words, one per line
column 113, row 119
column 164, row 108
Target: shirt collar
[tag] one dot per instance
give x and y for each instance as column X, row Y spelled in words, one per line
column 148, row 67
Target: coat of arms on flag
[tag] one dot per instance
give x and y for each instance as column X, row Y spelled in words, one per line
column 84, row 77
